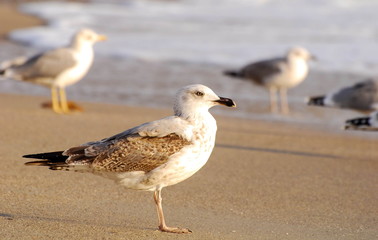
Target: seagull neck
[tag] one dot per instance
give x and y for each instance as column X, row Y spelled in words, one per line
column 194, row 116
column 294, row 59
column 80, row 46
column 75, row 44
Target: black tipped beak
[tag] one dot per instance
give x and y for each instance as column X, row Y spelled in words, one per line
column 226, row 101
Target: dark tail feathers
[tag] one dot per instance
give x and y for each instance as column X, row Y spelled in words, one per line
column 317, row 101
column 357, row 123
column 232, row 73
column 54, row 160
column 53, row 156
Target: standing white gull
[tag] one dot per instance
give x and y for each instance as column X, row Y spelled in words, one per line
column 153, row 155
column 57, row 68
column 277, row 74
column 368, row 123
column 362, row 96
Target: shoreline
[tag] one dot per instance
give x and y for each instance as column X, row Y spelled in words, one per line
column 151, row 93
column 323, row 129
column 162, row 76
column 15, row 19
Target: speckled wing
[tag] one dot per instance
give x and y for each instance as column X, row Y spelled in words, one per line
column 132, row 153
column 139, row 153
column 142, row 148
column 260, row 71
column 46, row 66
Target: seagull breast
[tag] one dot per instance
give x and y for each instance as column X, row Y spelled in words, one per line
column 84, row 59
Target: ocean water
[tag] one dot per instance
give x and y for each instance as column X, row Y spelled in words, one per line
column 217, row 34
column 342, row 33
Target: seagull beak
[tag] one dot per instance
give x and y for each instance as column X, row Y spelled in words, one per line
column 101, row 38
column 225, row 101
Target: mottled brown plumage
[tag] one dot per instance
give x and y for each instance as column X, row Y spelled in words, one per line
column 132, row 153
column 138, row 153
column 153, row 155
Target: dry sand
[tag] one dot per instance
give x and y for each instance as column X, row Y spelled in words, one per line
column 263, row 181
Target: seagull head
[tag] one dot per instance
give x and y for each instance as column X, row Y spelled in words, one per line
column 87, row 37
column 197, row 98
column 300, row 53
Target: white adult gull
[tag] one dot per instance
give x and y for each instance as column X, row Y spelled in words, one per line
column 367, row 123
column 277, row 74
column 153, row 155
column 57, row 68
column 362, row 96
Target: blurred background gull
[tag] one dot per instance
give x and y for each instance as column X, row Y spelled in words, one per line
column 157, row 46
column 56, row 68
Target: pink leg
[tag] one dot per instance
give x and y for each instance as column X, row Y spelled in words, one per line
column 284, row 105
column 273, row 99
column 162, row 226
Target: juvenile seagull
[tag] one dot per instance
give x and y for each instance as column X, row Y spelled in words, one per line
column 152, row 155
column 277, row 74
column 57, row 68
column 362, row 96
column 368, row 123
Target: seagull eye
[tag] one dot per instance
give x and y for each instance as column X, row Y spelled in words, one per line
column 198, row 93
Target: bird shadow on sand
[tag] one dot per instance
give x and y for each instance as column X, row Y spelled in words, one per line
column 6, row 216
column 278, row 151
column 9, row 216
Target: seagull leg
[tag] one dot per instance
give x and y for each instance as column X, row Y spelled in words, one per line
column 55, row 100
column 284, row 104
column 273, row 99
column 63, row 100
column 162, row 226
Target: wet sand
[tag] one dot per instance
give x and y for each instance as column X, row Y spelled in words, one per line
column 264, row 180
column 12, row 19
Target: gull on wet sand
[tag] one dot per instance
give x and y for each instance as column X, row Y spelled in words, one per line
column 367, row 123
column 362, row 96
column 57, row 68
column 277, row 74
column 153, row 155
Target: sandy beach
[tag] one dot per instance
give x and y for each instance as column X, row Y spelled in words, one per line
column 264, row 180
